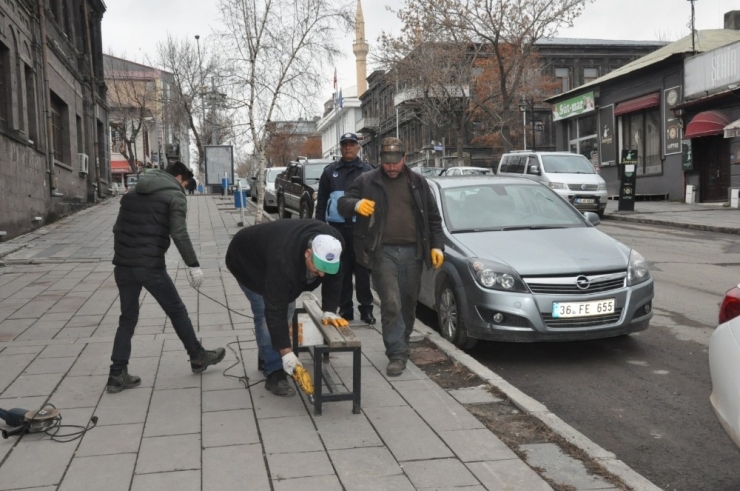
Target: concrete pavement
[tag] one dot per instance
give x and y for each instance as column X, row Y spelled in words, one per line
column 58, row 315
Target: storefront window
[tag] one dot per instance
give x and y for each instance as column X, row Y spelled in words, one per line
column 641, row 131
column 582, row 137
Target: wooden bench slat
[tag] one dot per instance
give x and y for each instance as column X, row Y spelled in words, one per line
column 336, row 337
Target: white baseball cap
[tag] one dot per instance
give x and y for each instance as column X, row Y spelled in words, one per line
column 326, row 252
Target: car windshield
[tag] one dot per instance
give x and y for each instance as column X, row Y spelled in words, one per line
column 314, row 171
column 272, row 174
column 476, row 172
column 567, row 164
column 429, row 171
column 495, row 206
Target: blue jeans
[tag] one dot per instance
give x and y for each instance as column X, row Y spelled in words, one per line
column 397, row 279
column 158, row 283
column 269, row 355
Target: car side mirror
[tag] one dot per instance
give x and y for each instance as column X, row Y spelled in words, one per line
column 592, row 218
column 533, row 169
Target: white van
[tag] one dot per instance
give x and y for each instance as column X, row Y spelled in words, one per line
column 570, row 175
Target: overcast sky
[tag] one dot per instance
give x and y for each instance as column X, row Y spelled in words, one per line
column 133, row 27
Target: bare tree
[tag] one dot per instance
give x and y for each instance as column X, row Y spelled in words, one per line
column 498, row 38
column 278, row 49
column 193, row 104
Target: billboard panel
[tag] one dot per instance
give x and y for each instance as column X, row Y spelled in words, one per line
column 219, row 163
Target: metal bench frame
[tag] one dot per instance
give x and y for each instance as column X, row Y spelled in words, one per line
column 321, row 375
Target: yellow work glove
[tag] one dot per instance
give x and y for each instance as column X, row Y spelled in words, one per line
column 365, row 207
column 438, row 257
column 334, row 320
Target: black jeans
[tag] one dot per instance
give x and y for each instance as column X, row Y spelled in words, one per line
column 362, row 277
column 159, row 284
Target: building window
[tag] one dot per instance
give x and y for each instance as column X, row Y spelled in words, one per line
column 80, row 143
column 59, row 128
column 590, row 74
column 562, row 78
column 31, row 104
column 641, row 131
column 582, row 137
column 4, row 86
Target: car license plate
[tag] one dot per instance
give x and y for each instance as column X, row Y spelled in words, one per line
column 582, row 309
column 584, row 200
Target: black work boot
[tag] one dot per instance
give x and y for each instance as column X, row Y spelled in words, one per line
column 206, row 358
column 366, row 315
column 277, row 383
column 395, row 367
column 116, row 383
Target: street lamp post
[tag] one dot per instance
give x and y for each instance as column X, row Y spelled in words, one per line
column 200, row 89
column 525, row 104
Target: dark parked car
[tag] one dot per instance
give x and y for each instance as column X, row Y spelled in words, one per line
column 522, row 264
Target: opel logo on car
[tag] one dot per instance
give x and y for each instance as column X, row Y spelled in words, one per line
column 583, row 283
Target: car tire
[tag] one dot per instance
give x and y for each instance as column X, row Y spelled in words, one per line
column 451, row 325
column 304, row 212
column 282, row 212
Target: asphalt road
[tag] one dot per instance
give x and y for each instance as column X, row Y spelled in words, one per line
column 644, row 397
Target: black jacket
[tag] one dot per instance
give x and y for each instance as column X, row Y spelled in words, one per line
column 368, row 231
column 269, row 260
column 155, row 210
column 335, row 180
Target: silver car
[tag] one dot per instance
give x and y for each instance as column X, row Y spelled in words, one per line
column 270, row 197
column 522, row 264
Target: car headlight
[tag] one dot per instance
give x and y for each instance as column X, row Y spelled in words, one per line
column 602, row 186
column 495, row 276
column 557, row 185
column 637, row 271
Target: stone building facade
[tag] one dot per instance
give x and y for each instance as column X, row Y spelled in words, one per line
column 53, row 116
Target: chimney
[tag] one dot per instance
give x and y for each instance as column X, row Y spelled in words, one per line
column 732, row 20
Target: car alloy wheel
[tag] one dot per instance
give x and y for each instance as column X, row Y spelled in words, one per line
column 451, row 324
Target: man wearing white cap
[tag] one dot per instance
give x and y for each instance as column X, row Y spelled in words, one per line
column 274, row 263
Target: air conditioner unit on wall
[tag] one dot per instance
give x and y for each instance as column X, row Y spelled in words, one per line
column 84, row 163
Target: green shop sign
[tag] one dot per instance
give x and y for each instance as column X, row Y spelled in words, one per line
column 572, row 107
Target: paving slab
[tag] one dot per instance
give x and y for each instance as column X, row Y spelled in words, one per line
column 315, row 483
column 407, row 436
column 439, row 409
column 22, row 469
column 289, row 435
column 340, row 428
column 130, row 406
column 439, row 473
column 369, row 468
column 562, row 468
column 33, row 385
column 508, row 475
column 111, row 440
column 230, row 468
column 476, row 445
column 169, row 453
column 109, row 472
column 76, row 392
column 174, row 412
column 43, row 366
column 225, row 400
column 304, row 464
column 181, row 481
column 236, row 427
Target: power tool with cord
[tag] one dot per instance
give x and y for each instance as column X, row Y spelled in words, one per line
column 24, row 421
column 302, row 377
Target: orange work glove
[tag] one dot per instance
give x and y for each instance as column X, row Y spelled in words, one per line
column 438, row 257
column 365, row 207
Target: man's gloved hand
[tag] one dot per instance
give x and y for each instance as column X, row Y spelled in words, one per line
column 195, row 276
column 334, row 320
column 438, row 257
column 290, row 362
column 365, row 207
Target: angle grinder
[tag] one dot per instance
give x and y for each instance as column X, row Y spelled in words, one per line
column 24, row 421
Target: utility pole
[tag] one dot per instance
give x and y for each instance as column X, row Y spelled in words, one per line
column 692, row 26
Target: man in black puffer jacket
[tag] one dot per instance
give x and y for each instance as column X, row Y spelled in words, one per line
column 154, row 211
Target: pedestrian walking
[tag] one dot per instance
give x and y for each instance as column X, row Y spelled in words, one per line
column 192, row 184
column 149, row 215
column 334, row 181
column 274, row 263
column 398, row 231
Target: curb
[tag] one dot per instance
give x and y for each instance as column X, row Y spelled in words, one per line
column 690, row 226
column 530, row 406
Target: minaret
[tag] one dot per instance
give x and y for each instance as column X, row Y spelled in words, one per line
column 360, row 49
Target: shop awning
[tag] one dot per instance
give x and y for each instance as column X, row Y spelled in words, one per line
column 706, row 124
column 642, row 102
column 120, row 167
column 733, row 129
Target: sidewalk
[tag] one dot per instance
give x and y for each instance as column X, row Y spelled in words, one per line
column 708, row 217
column 58, row 315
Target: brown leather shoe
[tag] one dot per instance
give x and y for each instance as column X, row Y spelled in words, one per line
column 395, row 367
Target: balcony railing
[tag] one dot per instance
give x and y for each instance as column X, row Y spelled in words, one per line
column 368, row 125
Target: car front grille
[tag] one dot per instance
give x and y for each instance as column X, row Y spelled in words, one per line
column 577, row 285
column 583, row 187
column 576, row 322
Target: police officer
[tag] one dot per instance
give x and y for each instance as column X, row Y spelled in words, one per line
column 335, row 180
